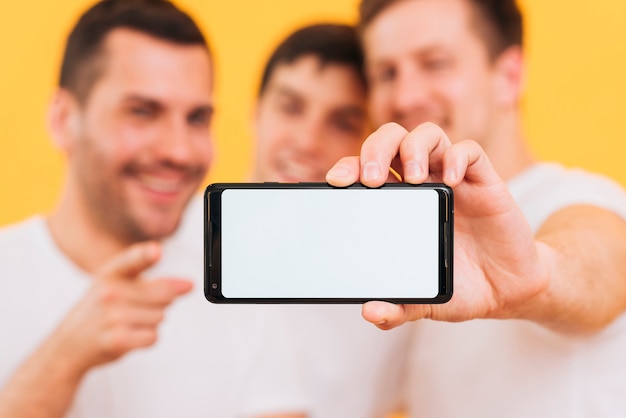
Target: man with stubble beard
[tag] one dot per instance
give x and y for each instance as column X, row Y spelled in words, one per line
column 536, row 326
column 87, row 312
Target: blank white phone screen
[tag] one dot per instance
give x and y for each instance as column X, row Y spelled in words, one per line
column 330, row 243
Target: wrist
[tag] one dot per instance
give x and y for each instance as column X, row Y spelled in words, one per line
column 539, row 288
column 61, row 362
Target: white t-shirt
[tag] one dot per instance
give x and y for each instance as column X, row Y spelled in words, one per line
column 210, row 361
column 351, row 369
column 514, row 368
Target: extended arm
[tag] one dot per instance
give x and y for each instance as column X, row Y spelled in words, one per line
column 43, row 386
column 569, row 277
column 584, row 248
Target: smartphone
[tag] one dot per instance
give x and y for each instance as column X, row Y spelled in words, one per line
column 315, row 243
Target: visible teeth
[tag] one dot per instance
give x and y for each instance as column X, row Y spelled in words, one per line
column 161, row 185
column 300, row 172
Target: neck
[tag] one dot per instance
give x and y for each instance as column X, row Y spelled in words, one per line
column 82, row 240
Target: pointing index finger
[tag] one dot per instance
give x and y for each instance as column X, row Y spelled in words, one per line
column 131, row 262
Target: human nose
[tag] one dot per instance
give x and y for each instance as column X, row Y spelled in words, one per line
column 175, row 142
column 410, row 93
column 308, row 136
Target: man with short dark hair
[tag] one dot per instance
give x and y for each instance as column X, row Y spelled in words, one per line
column 85, row 288
column 311, row 105
column 311, row 111
column 536, row 326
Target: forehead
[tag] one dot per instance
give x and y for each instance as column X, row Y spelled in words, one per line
column 308, row 77
column 419, row 24
column 137, row 63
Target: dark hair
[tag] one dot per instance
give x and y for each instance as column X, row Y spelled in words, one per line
column 498, row 22
column 82, row 61
column 331, row 43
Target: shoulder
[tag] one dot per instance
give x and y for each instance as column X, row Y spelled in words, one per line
column 24, row 235
column 545, row 188
column 24, row 247
column 28, row 253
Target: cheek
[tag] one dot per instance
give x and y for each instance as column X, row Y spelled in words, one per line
column 204, row 150
column 272, row 131
column 379, row 105
column 113, row 134
column 93, row 166
column 343, row 147
column 123, row 141
column 129, row 140
column 465, row 91
column 469, row 107
column 102, row 150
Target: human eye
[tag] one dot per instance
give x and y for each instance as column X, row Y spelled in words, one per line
column 142, row 111
column 348, row 122
column 346, row 125
column 289, row 106
column 436, row 63
column 383, row 74
column 200, row 117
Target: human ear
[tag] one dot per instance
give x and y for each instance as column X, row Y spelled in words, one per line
column 509, row 69
column 63, row 119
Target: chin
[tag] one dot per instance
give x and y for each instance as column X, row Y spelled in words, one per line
column 158, row 227
column 158, row 234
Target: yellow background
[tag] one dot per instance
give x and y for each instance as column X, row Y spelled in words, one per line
column 573, row 109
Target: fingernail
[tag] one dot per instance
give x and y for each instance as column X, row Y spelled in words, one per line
column 371, row 171
column 182, row 286
column 412, row 170
column 151, row 250
column 339, row 171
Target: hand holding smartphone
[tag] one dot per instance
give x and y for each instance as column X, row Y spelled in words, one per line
column 315, row 243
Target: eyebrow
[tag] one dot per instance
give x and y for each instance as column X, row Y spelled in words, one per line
column 208, row 109
column 348, row 110
column 416, row 52
column 142, row 99
column 156, row 104
column 283, row 90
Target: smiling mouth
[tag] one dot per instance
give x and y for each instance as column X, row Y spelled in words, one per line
column 163, row 185
column 295, row 172
column 410, row 123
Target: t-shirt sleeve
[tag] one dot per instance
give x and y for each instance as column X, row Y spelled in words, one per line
column 550, row 187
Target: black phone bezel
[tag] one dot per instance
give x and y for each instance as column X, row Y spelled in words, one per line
column 212, row 240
